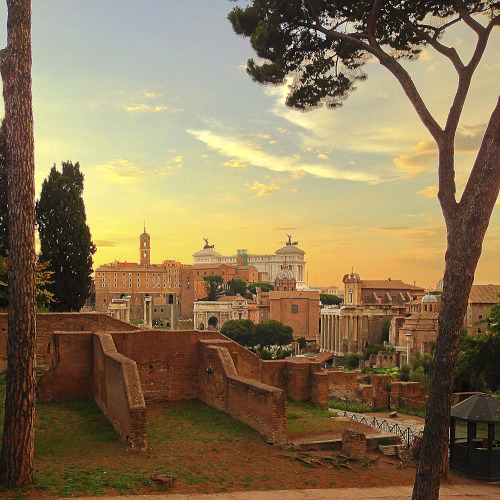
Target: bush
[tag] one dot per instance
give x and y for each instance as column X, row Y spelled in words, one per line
column 404, row 372
column 352, row 361
column 371, row 349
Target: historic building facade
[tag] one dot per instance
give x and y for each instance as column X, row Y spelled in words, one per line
column 213, row 315
column 267, row 265
column 368, row 306
column 152, row 291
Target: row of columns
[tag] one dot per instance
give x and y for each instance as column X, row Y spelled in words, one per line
column 335, row 329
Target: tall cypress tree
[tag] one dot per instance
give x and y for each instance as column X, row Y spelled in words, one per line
column 65, row 239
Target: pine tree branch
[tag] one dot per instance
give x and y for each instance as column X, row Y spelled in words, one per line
column 395, row 68
column 468, row 19
column 449, row 52
column 373, row 18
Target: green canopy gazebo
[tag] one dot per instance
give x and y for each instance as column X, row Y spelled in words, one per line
column 476, row 457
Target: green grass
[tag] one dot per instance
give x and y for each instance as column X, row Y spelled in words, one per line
column 348, row 406
column 303, row 416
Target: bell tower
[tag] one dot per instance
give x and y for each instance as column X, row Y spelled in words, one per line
column 145, row 249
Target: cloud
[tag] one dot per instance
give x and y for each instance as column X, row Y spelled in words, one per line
column 422, row 156
column 389, row 228
column 411, row 233
column 426, row 55
column 321, row 156
column 469, row 137
column 120, row 171
column 248, row 153
column 408, row 166
column 146, row 108
column 429, row 191
column 103, row 243
column 262, row 189
column 281, row 229
column 151, row 95
column 235, row 164
column 272, row 142
column 264, row 136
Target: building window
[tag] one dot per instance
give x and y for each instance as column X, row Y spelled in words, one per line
column 295, row 308
column 480, row 316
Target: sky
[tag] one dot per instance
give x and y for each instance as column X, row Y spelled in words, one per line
column 152, row 99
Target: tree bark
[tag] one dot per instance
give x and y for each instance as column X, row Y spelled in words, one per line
column 16, row 461
column 466, row 222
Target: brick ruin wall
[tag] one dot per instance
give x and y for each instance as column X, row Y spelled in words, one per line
column 260, row 406
column 345, row 385
column 166, row 366
column 48, row 323
column 117, row 391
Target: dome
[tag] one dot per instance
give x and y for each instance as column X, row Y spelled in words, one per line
column 289, row 250
column 207, row 253
column 285, row 272
column 429, row 299
column 351, row 278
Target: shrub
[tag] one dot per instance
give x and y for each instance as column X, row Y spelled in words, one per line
column 352, row 361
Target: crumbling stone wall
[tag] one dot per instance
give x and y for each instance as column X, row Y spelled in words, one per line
column 259, row 405
column 117, row 391
column 48, row 323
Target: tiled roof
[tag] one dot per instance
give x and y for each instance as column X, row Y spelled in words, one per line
column 389, row 285
column 484, row 294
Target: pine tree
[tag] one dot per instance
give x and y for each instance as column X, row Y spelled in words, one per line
column 16, row 461
column 65, row 239
column 319, row 48
column 4, row 216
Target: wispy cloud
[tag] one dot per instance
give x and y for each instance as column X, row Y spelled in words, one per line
column 151, row 95
column 245, row 152
column 411, row 233
column 429, row 191
column 104, row 243
column 120, row 171
column 235, row 164
column 146, row 108
column 262, row 189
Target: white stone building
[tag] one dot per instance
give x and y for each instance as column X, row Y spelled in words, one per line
column 265, row 263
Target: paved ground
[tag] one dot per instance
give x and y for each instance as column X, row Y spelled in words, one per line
column 477, row 492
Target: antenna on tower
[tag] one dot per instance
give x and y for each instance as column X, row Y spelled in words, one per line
column 144, row 225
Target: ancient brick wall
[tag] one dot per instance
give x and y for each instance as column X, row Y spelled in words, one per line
column 259, row 405
column 412, row 390
column 71, row 373
column 380, row 394
column 273, row 373
column 343, row 383
column 117, row 391
column 320, row 392
column 167, row 361
column 48, row 323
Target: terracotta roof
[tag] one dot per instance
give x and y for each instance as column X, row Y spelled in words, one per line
column 484, row 294
column 324, row 356
column 389, row 285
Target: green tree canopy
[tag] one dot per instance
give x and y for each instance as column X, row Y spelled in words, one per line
column 213, row 286
column 43, row 279
column 272, row 332
column 65, row 239
column 241, row 331
column 328, row 299
column 477, row 363
column 265, row 287
column 236, row 286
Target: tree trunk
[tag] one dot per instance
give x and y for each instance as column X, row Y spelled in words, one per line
column 16, row 461
column 466, row 225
